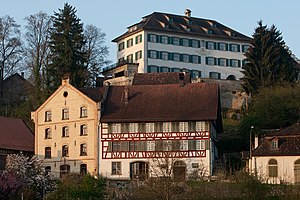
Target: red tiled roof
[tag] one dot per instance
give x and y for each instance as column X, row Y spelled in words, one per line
column 288, row 143
column 194, row 101
column 159, row 78
column 15, row 135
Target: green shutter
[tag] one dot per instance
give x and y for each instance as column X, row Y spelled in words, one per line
column 226, row 46
column 192, row 126
column 141, row 127
column 190, row 43
column 180, row 42
column 215, row 45
column 219, row 75
column 109, row 128
column 124, row 128
column 206, row 43
column 175, row 126
column 158, row 126
column 190, row 58
column 125, row 146
column 192, row 144
column 158, row 39
column 215, row 61
column 199, row 59
column 227, row 62
column 238, row 48
column 109, row 147
column 239, row 63
column 198, row 44
column 157, row 54
column 207, row 144
column 206, row 60
column 159, row 145
column 180, row 57
column 148, row 37
column 218, row 46
column 230, row 47
column 170, row 40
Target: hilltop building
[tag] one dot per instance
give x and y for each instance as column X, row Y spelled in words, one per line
column 163, row 42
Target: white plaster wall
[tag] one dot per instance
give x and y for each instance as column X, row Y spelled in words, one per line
column 285, row 168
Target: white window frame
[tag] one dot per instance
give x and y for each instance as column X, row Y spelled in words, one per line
column 149, row 127
column 116, row 168
column 116, row 128
column 133, row 127
column 201, row 126
column 150, row 145
column 184, row 145
column 167, row 127
column 183, row 126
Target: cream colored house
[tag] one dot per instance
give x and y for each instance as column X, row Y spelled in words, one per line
column 66, row 127
column 277, row 158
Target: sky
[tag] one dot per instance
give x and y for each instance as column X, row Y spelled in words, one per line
column 114, row 16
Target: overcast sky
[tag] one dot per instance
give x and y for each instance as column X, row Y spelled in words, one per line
column 114, row 16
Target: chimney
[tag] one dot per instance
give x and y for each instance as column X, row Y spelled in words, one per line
column 126, row 95
column 181, row 78
column 187, row 13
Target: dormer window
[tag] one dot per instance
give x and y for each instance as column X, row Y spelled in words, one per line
column 274, row 144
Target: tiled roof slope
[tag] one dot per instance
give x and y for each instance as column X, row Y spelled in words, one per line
column 288, row 143
column 15, row 135
column 194, row 101
column 95, row 94
column 159, row 78
column 183, row 25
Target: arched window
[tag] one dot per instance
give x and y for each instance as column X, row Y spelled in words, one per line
column 231, row 77
column 83, row 149
column 297, row 171
column 65, row 151
column 65, row 131
column 47, row 170
column 273, row 168
column 47, row 152
column 48, row 133
column 64, row 169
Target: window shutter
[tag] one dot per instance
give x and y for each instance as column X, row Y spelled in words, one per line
column 215, row 61
column 124, row 128
column 180, row 42
column 125, row 146
column 206, row 60
column 206, row 43
column 199, row 44
column 227, row 62
column 226, row 46
column 199, row 59
column 109, row 128
column 109, row 147
column 219, row 61
column 190, row 58
column 238, row 48
column 158, row 126
column 215, row 45
column 192, row 126
column 149, row 53
column 230, row 47
column 159, row 145
column 170, row 40
column 190, row 43
column 192, row 144
column 207, row 144
column 180, row 57
column 176, row 145
column 158, row 39
column 142, row 127
column 148, row 37
column 175, row 126
column 219, row 75
column 239, row 63
column 218, row 45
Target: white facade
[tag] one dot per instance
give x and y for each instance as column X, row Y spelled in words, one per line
column 197, row 158
column 287, row 169
column 205, row 57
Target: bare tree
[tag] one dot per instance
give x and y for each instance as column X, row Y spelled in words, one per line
column 37, row 48
column 96, row 50
column 10, row 48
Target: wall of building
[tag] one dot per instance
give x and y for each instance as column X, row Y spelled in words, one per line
column 67, row 97
column 285, row 168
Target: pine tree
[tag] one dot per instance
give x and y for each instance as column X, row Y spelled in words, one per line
column 66, row 44
column 268, row 61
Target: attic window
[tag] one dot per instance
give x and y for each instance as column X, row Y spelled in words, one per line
column 212, row 24
column 274, row 144
column 185, row 28
column 229, row 33
column 65, row 94
column 164, row 25
column 209, row 31
column 133, row 28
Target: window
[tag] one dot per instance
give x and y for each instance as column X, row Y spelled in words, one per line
column 297, row 171
column 48, row 116
column 201, row 126
column 210, row 45
column 245, row 48
column 133, row 127
column 121, row 46
column 164, row 39
column 152, row 38
column 195, row 74
column 47, row 152
column 149, row 127
column 83, row 169
column 274, row 144
column 176, row 41
column 234, row 47
column 167, row 145
column 183, row 145
column 65, row 131
column 65, row 113
column 138, row 55
column 222, row 46
column 83, row 111
column 65, row 151
column 153, row 54
column 130, row 58
column 48, row 133
column 167, row 126
column 47, row 170
column 116, row 128
column 116, row 146
column 64, row 169
column 195, row 43
column 234, row 63
column 83, row 149
column 164, row 69
column 183, row 126
column 185, row 42
column 176, row 57
column 116, row 168
column 150, row 145
column 83, row 129
column 138, row 39
column 185, row 58
column 222, row 61
column 152, row 69
column 215, row 75
column 210, row 61
column 196, row 59
column 200, row 144
column 192, row 144
column 164, row 55
column 273, row 168
column 129, row 42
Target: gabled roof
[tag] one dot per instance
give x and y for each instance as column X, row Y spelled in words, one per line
column 159, row 78
column 15, row 135
column 164, row 22
column 288, row 143
column 167, row 102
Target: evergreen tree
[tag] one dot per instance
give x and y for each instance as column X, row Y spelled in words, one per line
column 269, row 61
column 66, row 45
